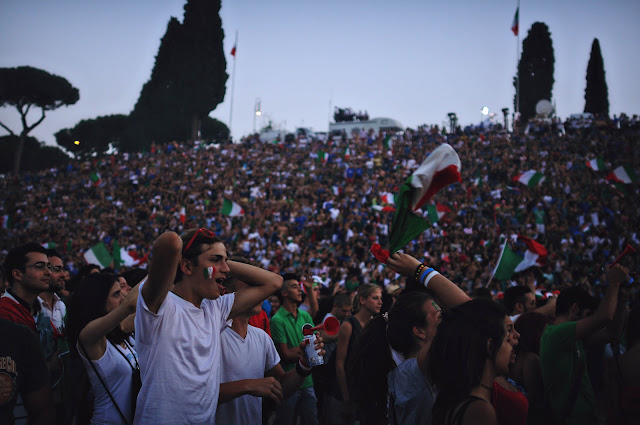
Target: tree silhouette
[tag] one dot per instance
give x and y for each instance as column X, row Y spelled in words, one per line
column 93, row 135
column 596, row 95
column 25, row 87
column 535, row 70
column 187, row 81
column 40, row 156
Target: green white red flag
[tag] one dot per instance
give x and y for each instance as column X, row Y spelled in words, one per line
column 623, row 174
column 596, row 164
column 436, row 211
column 441, row 168
column 231, row 209
column 530, row 178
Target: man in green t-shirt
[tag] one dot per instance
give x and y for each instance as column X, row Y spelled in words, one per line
column 286, row 331
column 562, row 355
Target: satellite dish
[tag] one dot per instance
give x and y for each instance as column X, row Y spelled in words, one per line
column 544, row 107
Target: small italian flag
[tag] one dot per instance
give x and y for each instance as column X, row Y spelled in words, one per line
column 231, row 209
column 596, row 164
column 95, row 178
column 530, row 178
column 336, row 190
column 347, row 153
column 387, row 198
column 323, row 157
column 6, row 222
column 510, row 262
column 183, row 215
column 387, row 142
column 99, row 254
column 436, row 212
column 623, row 174
column 440, row 169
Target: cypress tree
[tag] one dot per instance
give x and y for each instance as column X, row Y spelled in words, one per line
column 596, row 95
column 535, row 70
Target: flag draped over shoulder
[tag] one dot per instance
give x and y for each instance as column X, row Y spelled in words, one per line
column 98, row 254
column 231, row 209
column 511, row 262
column 440, row 169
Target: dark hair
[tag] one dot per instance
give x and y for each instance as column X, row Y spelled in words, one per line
column 371, row 360
column 530, row 326
column 88, row 303
column 134, row 276
column 459, row 350
column 482, row 292
column 514, row 295
column 3, row 274
column 342, row 300
column 290, row 276
column 53, row 253
column 17, row 258
column 571, row 295
column 633, row 327
column 200, row 244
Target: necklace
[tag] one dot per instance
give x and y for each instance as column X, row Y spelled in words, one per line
column 486, row 387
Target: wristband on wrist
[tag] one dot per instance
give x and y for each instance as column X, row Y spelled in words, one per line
column 302, row 370
column 429, row 277
column 423, row 275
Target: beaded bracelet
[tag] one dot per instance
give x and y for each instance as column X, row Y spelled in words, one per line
column 419, row 270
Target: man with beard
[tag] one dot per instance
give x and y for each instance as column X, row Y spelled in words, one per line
column 51, row 304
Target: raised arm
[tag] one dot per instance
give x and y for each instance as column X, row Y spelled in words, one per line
column 307, row 281
column 447, row 292
column 167, row 253
column 93, row 336
column 607, row 308
column 262, row 284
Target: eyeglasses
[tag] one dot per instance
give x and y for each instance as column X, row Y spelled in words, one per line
column 56, row 269
column 205, row 232
column 40, row 266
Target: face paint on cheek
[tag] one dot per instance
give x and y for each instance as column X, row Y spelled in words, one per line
column 208, row 272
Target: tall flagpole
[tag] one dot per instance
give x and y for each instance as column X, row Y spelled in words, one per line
column 233, row 83
column 518, row 64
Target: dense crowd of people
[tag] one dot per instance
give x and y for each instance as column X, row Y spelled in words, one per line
column 310, row 211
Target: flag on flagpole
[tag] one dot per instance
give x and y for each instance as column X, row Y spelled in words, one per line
column 233, row 51
column 441, row 168
column 596, row 164
column 530, row 178
column 95, row 178
column 347, row 153
column 117, row 257
column 183, row 215
column 511, row 262
column 436, row 212
column 231, row 209
column 623, row 174
column 515, row 25
column 98, row 254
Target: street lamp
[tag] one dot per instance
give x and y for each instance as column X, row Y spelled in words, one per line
column 257, row 112
column 453, row 122
column 505, row 112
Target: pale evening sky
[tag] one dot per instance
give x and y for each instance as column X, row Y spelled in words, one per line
column 411, row 60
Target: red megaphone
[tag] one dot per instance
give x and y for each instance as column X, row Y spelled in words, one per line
column 331, row 326
column 627, row 250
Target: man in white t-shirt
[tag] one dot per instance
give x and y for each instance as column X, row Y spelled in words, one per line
column 259, row 374
column 180, row 316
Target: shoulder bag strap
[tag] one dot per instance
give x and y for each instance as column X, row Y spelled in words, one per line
column 103, row 383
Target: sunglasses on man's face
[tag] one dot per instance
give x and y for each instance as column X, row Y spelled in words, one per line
column 205, row 232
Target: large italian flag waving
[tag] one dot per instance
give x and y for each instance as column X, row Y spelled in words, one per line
column 440, row 169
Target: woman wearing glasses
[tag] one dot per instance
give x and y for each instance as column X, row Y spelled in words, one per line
column 99, row 328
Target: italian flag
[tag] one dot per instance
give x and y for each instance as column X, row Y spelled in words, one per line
column 336, row 190
column 386, row 208
column 231, row 209
column 436, row 212
column 515, row 25
column 596, row 164
column 95, row 178
column 440, row 169
column 510, row 262
column 387, row 142
column 347, row 154
column 387, row 198
column 323, row 157
column 530, row 178
column 623, row 174
column 122, row 257
column 98, row 254
column 183, row 215
column 6, row 221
